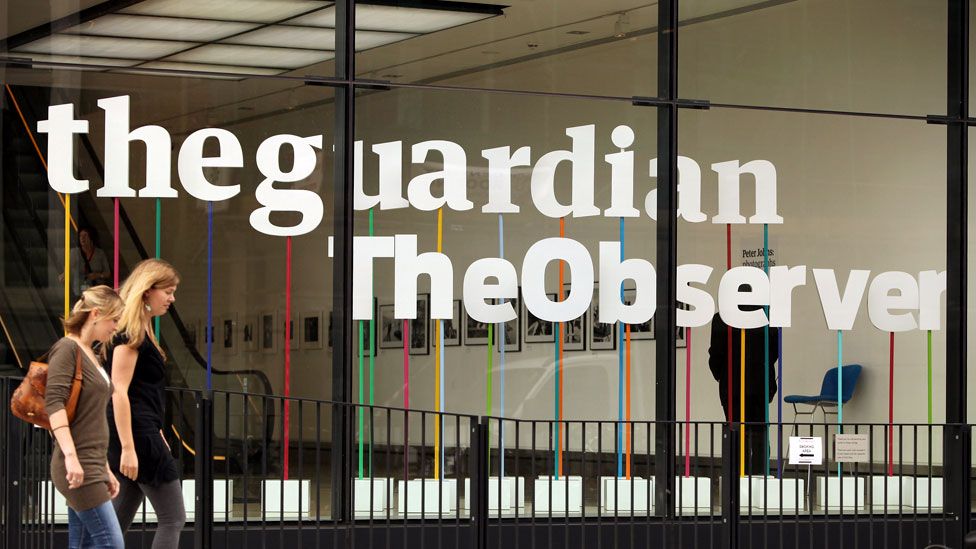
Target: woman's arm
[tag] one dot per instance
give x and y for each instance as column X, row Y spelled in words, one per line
column 60, row 376
column 123, row 367
column 62, row 433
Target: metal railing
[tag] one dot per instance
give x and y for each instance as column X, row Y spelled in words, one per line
column 412, row 478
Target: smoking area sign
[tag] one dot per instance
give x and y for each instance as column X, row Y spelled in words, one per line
column 806, row 450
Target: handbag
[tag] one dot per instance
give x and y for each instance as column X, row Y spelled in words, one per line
column 27, row 402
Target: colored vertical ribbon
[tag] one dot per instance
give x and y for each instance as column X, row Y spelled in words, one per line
column 766, row 355
column 115, row 244
column 438, row 367
column 501, row 365
column 67, row 256
column 891, row 403
column 779, row 415
column 620, row 373
column 361, row 398
column 372, row 358
column 159, row 215
column 406, row 366
column 556, row 344
column 406, row 397
column 728, row 334
column 440, row 337
column 627, row 443
column 688, row 401
column 559, row 364
column 288, row 335
column 929, row 338
column 840, row 389
column 742, row 402
column 488, row 381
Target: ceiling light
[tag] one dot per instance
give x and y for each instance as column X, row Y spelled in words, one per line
column 393, row 18
column 168, row 65
column 257, row 11
column 163, row 28
column 102, row 46
column 252, row 56
column 313, row 37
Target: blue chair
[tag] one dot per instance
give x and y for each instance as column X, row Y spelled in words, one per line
column 827, row 399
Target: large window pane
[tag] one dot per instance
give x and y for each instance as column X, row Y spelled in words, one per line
column 239, row 282
column 866, row 56
column 858, row 197
column 532, row 381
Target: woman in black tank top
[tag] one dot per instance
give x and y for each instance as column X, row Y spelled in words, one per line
column 138, row 451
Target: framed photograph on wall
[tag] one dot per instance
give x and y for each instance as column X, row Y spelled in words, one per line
column 310, row 324
column 420, row 327
column 452, row 326
column 207, row 332
column 475, row 331
column 268, row 342
column 227, row 332
column 249, row 333
column 536, row 329
column 390, row 329
column 574, row 331
column 369, row 345
column 513, row 330
column 602, row 336
column 644, row 330
column 289, row 327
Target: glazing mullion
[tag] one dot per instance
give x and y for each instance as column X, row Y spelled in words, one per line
column 342, row 451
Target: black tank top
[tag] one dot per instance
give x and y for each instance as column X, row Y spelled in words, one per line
column 147, row 390
column 147, row 400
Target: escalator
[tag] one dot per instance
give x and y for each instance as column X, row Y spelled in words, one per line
column 32, row 292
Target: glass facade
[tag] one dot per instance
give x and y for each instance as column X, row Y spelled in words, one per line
column 245, row 143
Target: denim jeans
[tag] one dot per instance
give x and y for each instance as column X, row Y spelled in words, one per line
column 96, row 528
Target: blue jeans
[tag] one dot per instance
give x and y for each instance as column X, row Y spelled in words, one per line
column 96, row 528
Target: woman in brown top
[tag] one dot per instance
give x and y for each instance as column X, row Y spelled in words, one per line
column 79, row 466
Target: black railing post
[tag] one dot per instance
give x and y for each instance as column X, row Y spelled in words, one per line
column 957, row 464
column 203, row 472
column 13, row 461
column 730, row 484
column 479, row 482
column 343, row 229
column 958, row 452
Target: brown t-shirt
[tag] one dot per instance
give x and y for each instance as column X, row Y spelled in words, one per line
column 89, row 428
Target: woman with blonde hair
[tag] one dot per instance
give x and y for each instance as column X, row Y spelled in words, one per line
column 138, row 451
column 79, row 466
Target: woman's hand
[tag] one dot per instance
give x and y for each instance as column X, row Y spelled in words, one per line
column 76, row 475
column 113, row 485
column 129, row 464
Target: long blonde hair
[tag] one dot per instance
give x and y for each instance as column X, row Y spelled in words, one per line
column 104, row 299
column 146, row 275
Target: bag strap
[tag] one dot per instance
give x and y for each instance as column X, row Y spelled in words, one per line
column 75, row 387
